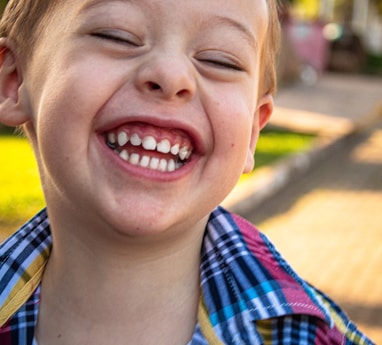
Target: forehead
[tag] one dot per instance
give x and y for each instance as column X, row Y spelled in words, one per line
column 183, row 5
column 248, row 16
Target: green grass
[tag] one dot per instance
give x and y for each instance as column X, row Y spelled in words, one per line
column 20, row 191
column 275, row 144
column 21, row 194
column 373, row 64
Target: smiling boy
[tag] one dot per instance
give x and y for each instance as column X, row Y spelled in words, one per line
column 142, row 115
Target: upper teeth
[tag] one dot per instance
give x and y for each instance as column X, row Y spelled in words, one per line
column 149, row 143
column 122, row 138
column 164, row 146
column 135, row 140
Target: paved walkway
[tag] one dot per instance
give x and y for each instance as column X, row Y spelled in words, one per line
column 327, row 218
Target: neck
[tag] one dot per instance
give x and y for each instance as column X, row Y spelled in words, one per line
column 90, row 285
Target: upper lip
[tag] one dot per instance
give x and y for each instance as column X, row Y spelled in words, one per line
column 165, row 122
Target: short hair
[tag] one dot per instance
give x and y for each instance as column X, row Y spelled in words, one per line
column 23, row 21
column 270, row 51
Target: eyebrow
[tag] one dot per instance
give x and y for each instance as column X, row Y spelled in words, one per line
column 239, row 27
column 94, row 3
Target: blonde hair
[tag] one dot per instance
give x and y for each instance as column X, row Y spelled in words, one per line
column 269, row 52
column 23, row 21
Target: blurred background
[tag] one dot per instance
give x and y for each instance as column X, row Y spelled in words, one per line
column 323, row 210
column 334, row 35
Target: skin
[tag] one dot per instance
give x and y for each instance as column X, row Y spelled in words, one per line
column 104, row 65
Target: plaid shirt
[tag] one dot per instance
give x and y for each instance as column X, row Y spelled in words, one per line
column 250, row 295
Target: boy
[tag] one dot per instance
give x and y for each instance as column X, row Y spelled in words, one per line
column 135, row 109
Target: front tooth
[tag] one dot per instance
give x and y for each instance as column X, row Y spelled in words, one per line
column 184, row 153
column 163, row 165
column 123, row 138
column 145, row 161
column 135, row 140
column 175, row 149
column 171, row 165
column 164, row 146
column 134, row 158
column 154, row 163
column 124, row 155
column 149, row 143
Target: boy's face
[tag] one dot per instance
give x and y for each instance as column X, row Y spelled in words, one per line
column 171, row 75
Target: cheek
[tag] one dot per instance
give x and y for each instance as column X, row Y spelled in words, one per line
column 70, row 102
column 232, row 144
column 233, row 123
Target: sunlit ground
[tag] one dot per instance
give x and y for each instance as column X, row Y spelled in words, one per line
column 370, row 151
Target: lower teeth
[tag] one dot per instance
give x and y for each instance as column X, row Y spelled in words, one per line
column 145, row 162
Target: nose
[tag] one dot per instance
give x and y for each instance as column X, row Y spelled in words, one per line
column 167, row 77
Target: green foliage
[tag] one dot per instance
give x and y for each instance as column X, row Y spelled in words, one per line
column 6, row 130
column 373, row 64
column 3, row 3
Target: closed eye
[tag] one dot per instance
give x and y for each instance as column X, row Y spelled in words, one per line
column 117, row 37
column 220, row 60
column 222, row 64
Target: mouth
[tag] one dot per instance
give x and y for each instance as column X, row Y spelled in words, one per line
column 157, row 150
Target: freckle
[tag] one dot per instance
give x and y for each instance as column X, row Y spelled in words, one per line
column 233, row 145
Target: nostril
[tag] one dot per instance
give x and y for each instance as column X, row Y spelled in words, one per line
column 182, row 93
column 154, row 86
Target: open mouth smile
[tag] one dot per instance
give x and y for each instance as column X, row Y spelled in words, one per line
column 166, row 154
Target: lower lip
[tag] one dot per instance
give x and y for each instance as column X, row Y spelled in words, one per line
column 137, row 171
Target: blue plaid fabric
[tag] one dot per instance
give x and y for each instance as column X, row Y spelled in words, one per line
column 250, row 295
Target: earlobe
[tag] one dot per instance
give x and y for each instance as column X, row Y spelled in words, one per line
column 12, row 110
column 263, row 113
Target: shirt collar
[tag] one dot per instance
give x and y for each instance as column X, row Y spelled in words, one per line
column 245, row 279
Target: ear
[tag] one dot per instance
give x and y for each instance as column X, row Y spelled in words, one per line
column 263, row 113
column 12, row 110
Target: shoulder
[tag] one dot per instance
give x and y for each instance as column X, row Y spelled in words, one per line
column 19, row 328
column 235, row 250
column 22, row 259
column 30, row 235
column 233, row 232
column 275, row 297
